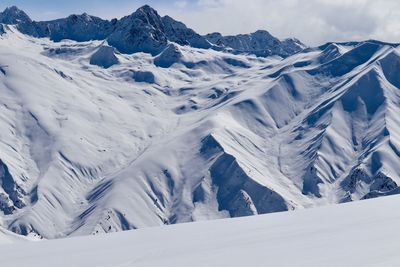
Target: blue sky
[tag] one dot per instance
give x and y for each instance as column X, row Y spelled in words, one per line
column 312, row 21
column 49, row 9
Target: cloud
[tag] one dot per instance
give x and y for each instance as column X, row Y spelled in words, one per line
column 181, row 4
column 313, row 21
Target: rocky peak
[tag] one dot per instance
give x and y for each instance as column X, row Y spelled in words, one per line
column 262, row 34
column 81, row 18
column 146, row 15
column 13, row 15
column 146, row 31
column 75, row 27
column 177, row 32
column 260, row 43
column 142, row 31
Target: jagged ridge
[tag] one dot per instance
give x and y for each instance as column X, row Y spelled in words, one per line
column 145, row 31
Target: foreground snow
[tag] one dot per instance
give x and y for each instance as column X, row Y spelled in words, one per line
column 7, row 237
column 356, row 234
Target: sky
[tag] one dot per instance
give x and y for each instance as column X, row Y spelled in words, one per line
column 314, row 22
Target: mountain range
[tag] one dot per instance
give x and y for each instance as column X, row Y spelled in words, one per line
column 146, row 31
column 138, row 122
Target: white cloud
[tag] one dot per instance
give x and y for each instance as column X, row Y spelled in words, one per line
column 313, row 21
column 181, row 4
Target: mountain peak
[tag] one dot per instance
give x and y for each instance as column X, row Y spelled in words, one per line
column 12, row 9
column 147, row 11
column 146, row 8
column 262, row 32
column 142, row 31
column 86, row 15
column 82, row 17
column 13, row 15
column 146, row 31
column 260, row 43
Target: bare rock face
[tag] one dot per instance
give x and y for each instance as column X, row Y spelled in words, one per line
column 143, row 76
column 141, row 31
column 13, row 15
column 2, row 30
column 168, row 57
column 177, row 32
column 79, row 28
column 104, row 57
column 260, row 43
column 11, row 194
column 146, row 31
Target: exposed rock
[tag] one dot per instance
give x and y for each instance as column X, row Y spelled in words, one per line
column 143, row 76
column 104, row 57
column 12, row 197
column 146, row 31
column 75, row 27
column 260, row 43
column 310, row 182
column 140, row 32
column 232, row 180
column 13, row 15
column 168, row 57
column 178, row 32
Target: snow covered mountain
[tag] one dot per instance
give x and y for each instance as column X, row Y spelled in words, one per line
column 13, row 15
column 146, row 31
column 75, row 27
column 150, row 125
column 260, row 43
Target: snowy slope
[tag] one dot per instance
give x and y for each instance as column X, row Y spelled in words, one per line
column 357, row 234
column 7, row 238
column 94, row 140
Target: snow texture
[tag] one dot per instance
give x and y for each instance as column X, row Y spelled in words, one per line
column 182, row 134
column 356, row 234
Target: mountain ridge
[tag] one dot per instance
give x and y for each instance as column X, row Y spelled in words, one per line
column 142, row 31
column 98, row 141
